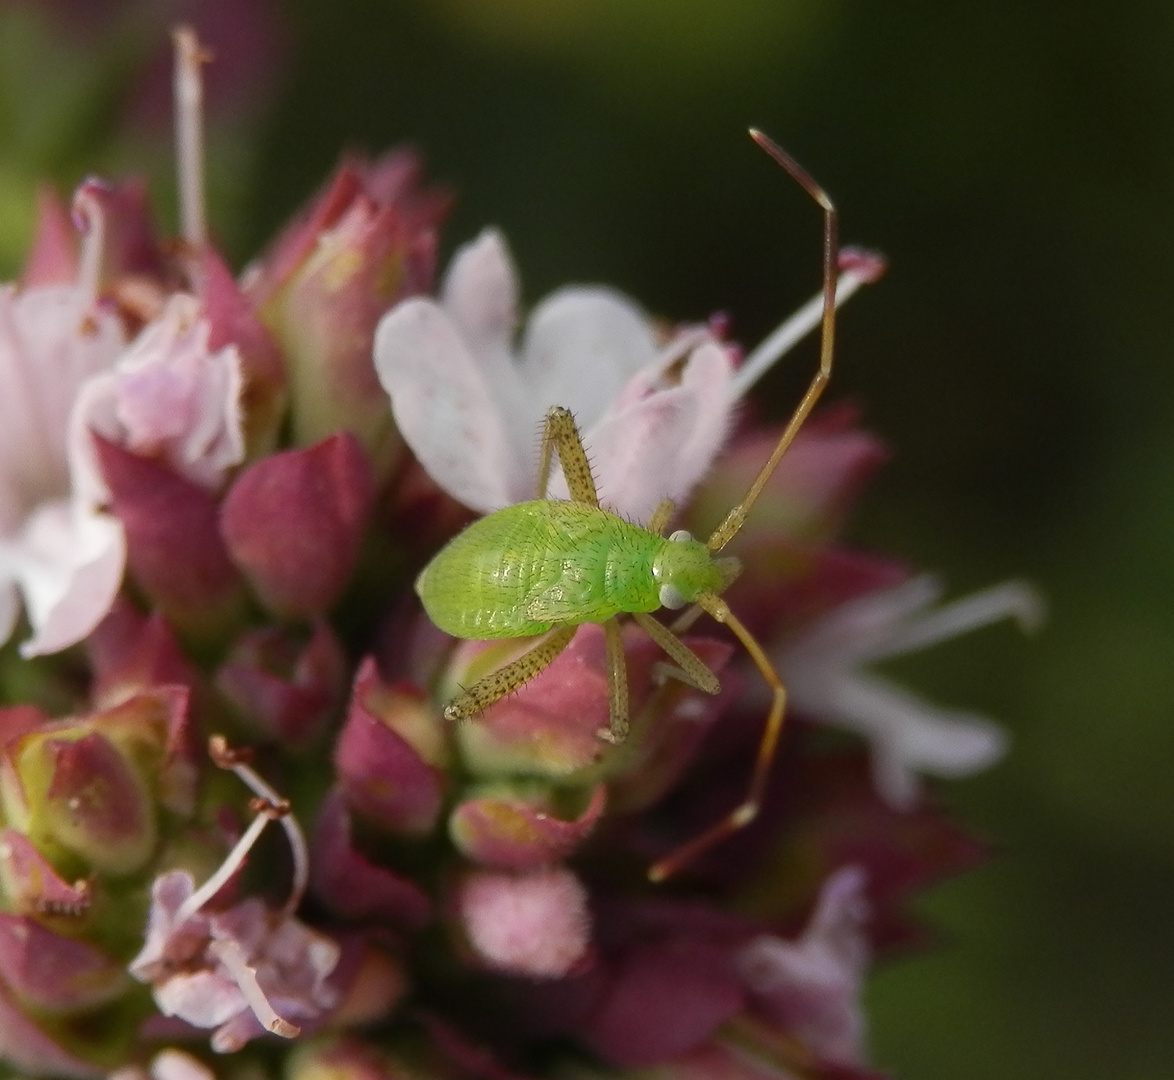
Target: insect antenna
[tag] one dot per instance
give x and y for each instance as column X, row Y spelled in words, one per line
column 734, row 520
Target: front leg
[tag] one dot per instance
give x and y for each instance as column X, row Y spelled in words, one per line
column 560, row 434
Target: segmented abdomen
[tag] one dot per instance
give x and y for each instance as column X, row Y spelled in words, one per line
column 535, row 565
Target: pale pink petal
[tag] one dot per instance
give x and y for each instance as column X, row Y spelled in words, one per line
column 169, row 397
column 68, row 563
column 811, row 987
column 634, row 453
column 50, row 343
column 537, row 925
column 444, row 407
column 662, row 443
column 202, row 998
column 176, row 1065
column 581, row 346
column 828, row 680
column 707, row 376
column 480, row 294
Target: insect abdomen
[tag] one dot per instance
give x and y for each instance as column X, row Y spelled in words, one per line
column 535, row 565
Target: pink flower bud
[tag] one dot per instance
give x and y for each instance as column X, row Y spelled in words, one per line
column 520, row 830
column 55, row 973
column 536, row 925
column 366, row 243
column 389, row 755
column 287, row 687
column 293, row 523
column 351, row 885
column 94, row 805
column 31, row 883
column 664, row 997
column 173, row 540
column 39, row 1051
column 550, row 726
column 234, row 322
column 131, row 653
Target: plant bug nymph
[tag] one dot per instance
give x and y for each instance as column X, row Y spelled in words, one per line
column 548, row 566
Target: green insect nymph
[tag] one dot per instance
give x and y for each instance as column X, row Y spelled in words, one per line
column 547, row 566
column 537, row 565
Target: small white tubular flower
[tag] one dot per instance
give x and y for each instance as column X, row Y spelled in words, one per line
column 811, row 987
column 827, row 681
column 471, row 404
column 60, row 552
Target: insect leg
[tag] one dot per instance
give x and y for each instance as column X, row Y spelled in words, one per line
column 617, row 685
column 728, row 529
column 505, row 680
column 561, row 435
column 689, row 668
column 660, row 517
column 747, row 810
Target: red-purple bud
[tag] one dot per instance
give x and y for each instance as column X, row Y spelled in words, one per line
column 389, row 755
column 174, row 547
column 55, row 973
column 352, row 886
column 287, row 687
column 366, row 243
column 234, row 322
column 293, row 523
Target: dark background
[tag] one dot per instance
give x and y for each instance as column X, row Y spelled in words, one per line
column 1016, row 163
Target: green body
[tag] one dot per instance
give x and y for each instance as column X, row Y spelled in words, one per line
column 537, row 565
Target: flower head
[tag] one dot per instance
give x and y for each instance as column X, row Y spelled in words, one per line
column 232, row 447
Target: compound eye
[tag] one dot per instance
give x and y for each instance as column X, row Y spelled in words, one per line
column 671, row 598
column 678, row 537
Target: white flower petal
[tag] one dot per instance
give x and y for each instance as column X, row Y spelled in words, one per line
column 68, row 563
column 480, row 295
column 49, row 345
column 812, row 986
column 707, row 377
column 581, row 345
column 634, row 454
column 444, row 409
column 909, row 736
column 827, row 681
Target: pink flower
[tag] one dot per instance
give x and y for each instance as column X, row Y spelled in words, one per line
column 469, row 401
column 58, row 550
column 810, row 988
column 170, row 397
column 243, row 969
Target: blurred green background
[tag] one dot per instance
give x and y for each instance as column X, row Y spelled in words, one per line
column 1016, row 163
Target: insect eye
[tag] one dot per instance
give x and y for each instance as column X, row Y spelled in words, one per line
column 678, row 537
column 671, row 598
